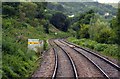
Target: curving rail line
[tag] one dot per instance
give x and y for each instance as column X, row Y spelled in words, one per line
column 71, row 61
column 71, row 45
column 56, row 64
column 106, row 60
column 93, row 64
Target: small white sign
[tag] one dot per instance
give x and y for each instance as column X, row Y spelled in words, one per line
column 33, row 44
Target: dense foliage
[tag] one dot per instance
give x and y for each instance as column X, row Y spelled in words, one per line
column 60, row 21
column 22, row 21
column 81, row 7
column 101, row 32
column 117, row 26
column 95, row 27
column 110, row 50
column 18, row 61
column 96, row 32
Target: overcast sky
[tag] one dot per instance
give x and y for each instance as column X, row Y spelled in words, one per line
column 101, row 1
column 108, row 1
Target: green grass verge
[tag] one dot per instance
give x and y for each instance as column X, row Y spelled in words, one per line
column 110, row 50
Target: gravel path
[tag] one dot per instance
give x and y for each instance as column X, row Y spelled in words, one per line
column 47, row 66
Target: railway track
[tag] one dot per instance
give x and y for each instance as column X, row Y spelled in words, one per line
column 56, row 61
column 64, row 65
column 108, row 68
column 66, row 60
column 84, row 67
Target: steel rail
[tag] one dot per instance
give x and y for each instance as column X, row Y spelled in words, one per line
column 72, row 62
column 56, row 63
column 102, row 71
column 95, row 54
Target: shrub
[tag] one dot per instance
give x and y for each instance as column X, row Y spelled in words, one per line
column 100, row 47
column 106, row 49
column 111, row 50
column 9, row 46
column 45, row 46
column 8, row 72
column 76, row 42
column 90, row 44
column 84, row 31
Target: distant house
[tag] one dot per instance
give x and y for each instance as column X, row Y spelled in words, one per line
column 106, row 14
column 71, row 15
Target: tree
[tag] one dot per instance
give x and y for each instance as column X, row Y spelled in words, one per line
column 60, row 21
column 76, row 26
column 10, row 8
column 115, row 25
column 28, row 10
column 105, row 35
column 46, row 27
column 101, row 32
column 85, row 18
column 118, row 25
column 78, row 34
column 84, row 31
column 41, row 9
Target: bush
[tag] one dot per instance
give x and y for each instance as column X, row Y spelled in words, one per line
column 19, row 65
column 112, row 50
column 100, row 47
column 16, row 61
column 45, row 46
column 76, row 42
column 84, row 31
column 9, row 46
column 106, row 49
column 89, row 43
column 8, row 72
